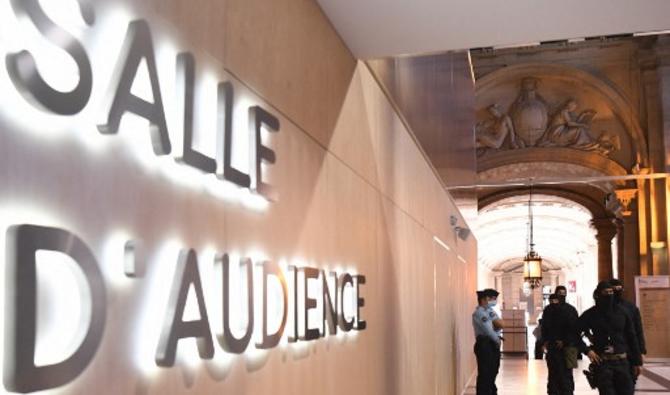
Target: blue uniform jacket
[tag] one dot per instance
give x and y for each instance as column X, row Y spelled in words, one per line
column 482, row 323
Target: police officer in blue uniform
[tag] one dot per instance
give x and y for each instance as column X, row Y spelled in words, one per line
column 492, row 294
column 487, row 345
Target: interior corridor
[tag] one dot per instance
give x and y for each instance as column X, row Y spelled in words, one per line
column 332, row 197
column 519, row 376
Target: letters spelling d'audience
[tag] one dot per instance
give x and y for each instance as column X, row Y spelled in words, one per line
column 23, row 241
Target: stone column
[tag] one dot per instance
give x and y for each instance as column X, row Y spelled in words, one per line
column 619, row 247
column 655, row 87
column 655, row 69
column 655, row 73
column 630, row 265
column 605, row 233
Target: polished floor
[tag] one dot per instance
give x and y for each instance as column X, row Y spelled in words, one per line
column 519, row 376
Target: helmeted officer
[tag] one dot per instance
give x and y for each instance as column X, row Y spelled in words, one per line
column 487, row 344
column 634, row 314
column 559, row 327
column 614, row 343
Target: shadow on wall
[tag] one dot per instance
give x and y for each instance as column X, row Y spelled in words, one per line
column 286, row 52
column 423, row 336
column 435, row 94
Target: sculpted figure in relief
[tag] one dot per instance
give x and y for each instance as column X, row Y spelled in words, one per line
column 527, row 126
column 608, row 143
column 570, row 130
column 497, row 132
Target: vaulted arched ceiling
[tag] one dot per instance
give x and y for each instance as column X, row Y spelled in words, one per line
column 562, row 232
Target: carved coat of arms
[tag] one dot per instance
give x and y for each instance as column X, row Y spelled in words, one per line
column 529, row 124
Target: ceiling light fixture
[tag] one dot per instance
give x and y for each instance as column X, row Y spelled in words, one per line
column 532, row 263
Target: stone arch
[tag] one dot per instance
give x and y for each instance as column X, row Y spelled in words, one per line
column 565, row 234
column 622, row 107
column 596, row 208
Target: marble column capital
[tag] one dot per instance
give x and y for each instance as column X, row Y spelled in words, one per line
column 625, row 197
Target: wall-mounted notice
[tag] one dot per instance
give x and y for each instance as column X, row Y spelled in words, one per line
column 653, row 299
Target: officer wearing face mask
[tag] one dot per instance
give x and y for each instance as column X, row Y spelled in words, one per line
column 559, row 321
column 487, row 345
column 634, row 314
column 572, row 316
column 562, row 294
column 614, row 343
column 492, row 294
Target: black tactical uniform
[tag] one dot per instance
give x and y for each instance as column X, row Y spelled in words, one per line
column 559, row 331
column 634, row 314
column 613, row 339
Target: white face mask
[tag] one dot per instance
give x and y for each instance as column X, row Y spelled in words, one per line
column 493, row 303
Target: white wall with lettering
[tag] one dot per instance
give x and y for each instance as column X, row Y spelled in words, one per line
column 139, row 206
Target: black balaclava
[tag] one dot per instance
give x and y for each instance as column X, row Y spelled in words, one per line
column 618, row 294
column 603, row 302
column 561, row 298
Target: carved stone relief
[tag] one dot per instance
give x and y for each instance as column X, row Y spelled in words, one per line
column 529, row 113
column 531, row 122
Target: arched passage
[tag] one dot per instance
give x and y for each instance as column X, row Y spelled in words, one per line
column 564, row 237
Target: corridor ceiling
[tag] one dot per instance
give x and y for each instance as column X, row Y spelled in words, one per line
column 563, row 236
column 385, row 28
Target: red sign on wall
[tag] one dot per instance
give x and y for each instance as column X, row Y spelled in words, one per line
column 572, row 286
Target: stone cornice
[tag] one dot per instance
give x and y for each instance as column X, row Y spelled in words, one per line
column 590, row 160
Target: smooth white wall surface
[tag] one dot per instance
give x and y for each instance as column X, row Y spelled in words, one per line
column 363, row 200
column 381, row 28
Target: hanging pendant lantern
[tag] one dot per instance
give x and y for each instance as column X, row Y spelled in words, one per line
column 532, row 263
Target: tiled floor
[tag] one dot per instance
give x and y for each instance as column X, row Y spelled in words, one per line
column 519, row 376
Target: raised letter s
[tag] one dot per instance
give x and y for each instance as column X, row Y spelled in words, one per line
column 23, row 70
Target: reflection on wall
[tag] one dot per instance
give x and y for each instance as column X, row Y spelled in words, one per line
column 435, row 95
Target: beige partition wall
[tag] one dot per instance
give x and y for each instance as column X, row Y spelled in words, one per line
column 355, row 195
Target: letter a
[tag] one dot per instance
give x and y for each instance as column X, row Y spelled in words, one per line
column 137, row 46
column 174, row 328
